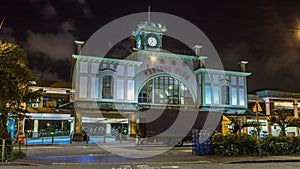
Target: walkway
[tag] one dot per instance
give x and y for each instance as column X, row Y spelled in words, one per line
column 66, row 140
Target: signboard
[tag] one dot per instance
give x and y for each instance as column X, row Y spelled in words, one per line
column 257, row 107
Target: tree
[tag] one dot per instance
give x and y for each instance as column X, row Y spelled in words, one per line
column 238, row 125
column 14, row 83
column 282, row 119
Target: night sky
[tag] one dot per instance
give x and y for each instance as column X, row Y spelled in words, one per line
column 263, row 32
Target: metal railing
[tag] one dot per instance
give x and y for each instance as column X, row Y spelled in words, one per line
column 6, row 148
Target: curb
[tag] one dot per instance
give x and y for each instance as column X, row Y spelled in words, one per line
column 263, row 161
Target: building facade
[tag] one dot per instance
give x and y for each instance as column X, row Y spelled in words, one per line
column 109, row 93
column 42, row 117
column 272, row 100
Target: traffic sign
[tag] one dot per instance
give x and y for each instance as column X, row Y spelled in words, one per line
column 257, row 107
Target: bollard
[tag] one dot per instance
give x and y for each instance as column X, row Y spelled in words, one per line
column 139, row 139
column 20, row 141
column 70, row 138
column 42, row 138
column 87, row 139
column 104, row 137
column 120, row 137
column 26, row 139
column 52, row 138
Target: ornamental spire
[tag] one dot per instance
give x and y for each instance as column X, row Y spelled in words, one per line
column 149, row 15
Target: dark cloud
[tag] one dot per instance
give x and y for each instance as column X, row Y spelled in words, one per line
column 56, row 46
column 85, row 8
column 45, row 7
column 234, row 53
column 261, row 31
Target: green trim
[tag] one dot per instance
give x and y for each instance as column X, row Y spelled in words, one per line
column 169, row 55
column 79, row 42
column 108, row 60
column 146, row 27
column 225, row 72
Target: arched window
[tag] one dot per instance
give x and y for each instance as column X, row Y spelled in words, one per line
column 107, row 87
column 165, row 90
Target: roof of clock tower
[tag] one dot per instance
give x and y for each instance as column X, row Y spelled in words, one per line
column 149, row 27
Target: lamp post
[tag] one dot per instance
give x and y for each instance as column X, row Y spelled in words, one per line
column 258, row 109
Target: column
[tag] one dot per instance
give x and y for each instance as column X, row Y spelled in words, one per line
column 132, row 126
column 267, row 104
column 62, row 126
column 108, row 129
column 245, row 129
column 268, row 113
column 296, row 113
column 72, row 125
column 35, row 133
column 78, row 128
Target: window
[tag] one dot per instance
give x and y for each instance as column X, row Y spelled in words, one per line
column 216, row 79
column 104, row 66
column 241, row 97
column 94, row 87
column 241, row 81
column 130, row 71
column 120, row 70
column 112, row 66
column 107, row 87
column 233, row 80
column 216, row 93
column 207, row 78
column 120, row 87
column 165, row 90
column 233, row 96
column 130, row 90
column 225, row 94
column 208, row 95
column 83, row 87
column 94, row 68
column 83, row 67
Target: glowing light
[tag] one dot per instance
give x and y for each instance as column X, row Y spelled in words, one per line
column 152, row 58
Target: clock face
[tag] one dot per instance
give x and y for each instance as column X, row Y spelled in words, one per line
column 152, row 41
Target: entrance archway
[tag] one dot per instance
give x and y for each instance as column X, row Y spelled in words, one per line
column 165, row 89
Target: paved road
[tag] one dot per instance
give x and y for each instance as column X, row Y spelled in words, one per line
column 92, row 155
column 284, row 165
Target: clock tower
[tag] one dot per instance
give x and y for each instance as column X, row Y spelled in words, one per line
column 148, row 36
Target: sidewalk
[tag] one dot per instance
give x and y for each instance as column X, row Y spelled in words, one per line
column 251, row 159
column 66, row 140
column 62, row 150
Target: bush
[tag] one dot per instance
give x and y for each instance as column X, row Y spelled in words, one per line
column 243, row 144
column 233, row 144
column 18, row 155
column 285, row 145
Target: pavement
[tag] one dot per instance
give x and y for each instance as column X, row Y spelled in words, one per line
column 62, row 152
